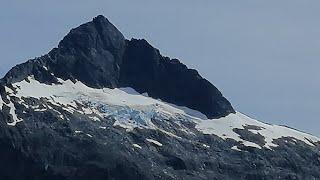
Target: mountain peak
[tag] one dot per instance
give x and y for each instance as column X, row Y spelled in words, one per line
column 102, row 107
column 96, row 35
column 97, row 54
column 100, row 17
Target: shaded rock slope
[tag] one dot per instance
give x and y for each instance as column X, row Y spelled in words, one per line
column 102, row 107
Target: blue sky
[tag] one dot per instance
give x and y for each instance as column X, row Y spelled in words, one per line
column 263, row 55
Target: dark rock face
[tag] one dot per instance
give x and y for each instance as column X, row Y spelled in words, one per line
column 90, row 53
column 98, row 55
column 146, row 70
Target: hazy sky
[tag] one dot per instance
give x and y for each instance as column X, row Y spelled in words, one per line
column 264, row 55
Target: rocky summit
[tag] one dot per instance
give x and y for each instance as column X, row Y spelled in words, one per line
column 98, row 55
column 100, row 106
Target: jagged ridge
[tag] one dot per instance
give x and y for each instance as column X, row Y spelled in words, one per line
column 98, row 55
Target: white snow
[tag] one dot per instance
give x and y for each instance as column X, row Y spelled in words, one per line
column 8, row 90
column 94, row 118
column 137, row 146
column 15, row 118
column 133, row 110
column 89, row 135
column 235, row 148
column 223, row 128
column 206, row 146
column 1, row 103
column 13, row 114
column 128, row 107
column 145, row 94
column 40, row 110
column 154, row 142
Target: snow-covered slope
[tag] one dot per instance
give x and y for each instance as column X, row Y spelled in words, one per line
column 133, row 110
column 225, row 128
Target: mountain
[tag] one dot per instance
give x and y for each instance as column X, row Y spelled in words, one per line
column 100, row 106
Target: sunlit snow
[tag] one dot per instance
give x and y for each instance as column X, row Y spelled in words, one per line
column 133, row 110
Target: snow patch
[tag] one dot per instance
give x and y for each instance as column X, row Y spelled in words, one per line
column 8, row 90
column 15, row 118
column 224, row 128
column 235, row 148
column 1, row 102
column 145, row 94
column 206, row 146
column 12, row 111
column 94, row 118
column 89, row 135
column 137, row 146
column 154, row 142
